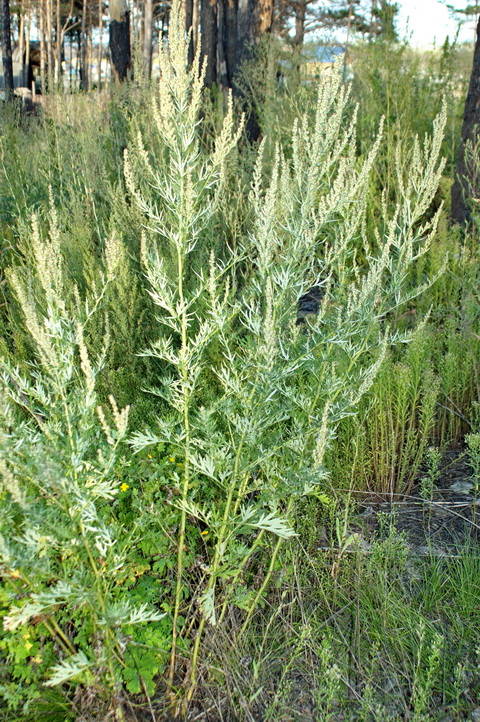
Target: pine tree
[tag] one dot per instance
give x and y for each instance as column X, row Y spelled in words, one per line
column 7, row 48
column 466, row 177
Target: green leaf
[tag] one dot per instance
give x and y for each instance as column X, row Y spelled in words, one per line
column 68, row 669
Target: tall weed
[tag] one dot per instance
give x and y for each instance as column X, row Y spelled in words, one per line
column 247, row 397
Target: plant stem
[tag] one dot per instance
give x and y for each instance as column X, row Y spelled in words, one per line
column 239, row 571
column 268, row 575
column 186, row 468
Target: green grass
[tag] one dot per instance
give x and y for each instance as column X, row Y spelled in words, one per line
column 387, row 638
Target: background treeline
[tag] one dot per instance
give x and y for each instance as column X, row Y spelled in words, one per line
column 66, row 42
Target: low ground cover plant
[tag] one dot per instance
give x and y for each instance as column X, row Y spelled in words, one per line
column 132, row 538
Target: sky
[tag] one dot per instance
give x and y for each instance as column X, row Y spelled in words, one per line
column 429, row 21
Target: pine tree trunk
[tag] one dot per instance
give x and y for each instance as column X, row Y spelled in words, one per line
column 58, row 64
column 223, row 75
column 136, row 25
column 467, row 179
column 208, row 24
column 120, row 47
column 148, row 37
column 244, row 31
column 300, row 7
column 83, row 49
column 21, row 44
column 27, row 71
column 7, row 49
column 254, row 19
column 189, row 5
column 231, row 11
column 43, row 79
column 100, row 43
column 89, row 47
column 49, row 38
column 195, row 24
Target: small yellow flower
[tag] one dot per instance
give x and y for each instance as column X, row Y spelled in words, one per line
column 205, row 532
column 171, row 458
column 124, row 487
column 150, row 456
column 179, row 463
column 37, row 659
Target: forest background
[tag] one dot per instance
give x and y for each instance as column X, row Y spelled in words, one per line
column 240, row 330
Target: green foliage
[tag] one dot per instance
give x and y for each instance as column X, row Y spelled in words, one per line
column 151, row 263
column 62, row 552
column 427, row 483
column 391, row 437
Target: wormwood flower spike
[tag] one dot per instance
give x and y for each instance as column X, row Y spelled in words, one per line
column 178, row 190
column 259, row 436
column 57, row 461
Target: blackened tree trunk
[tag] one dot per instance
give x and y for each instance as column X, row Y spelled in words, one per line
column 208, row 26
column 7, row 49
column 254, row 20
column 467, row 178
column 120, row 40
column 230, row 43
column 231, row 33
column 222, row 45
column 120, row 47
column 189, row 28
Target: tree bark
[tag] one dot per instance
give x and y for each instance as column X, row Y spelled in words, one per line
column 58, row 62
column 300, row 11
column 27, row 69
column 89, row 46
column 43, row 80
column 230, row 26
column 83, row 49
column 189, row 5
column 100, row 43
column 21, row 43
column 222, row 44
column 120, row 47
column 195, row 26
column 136, row 24
column 49, row 39
column 7, row 49
column 208, row 25
column 244, row 30
column 467, row 178
column 254, row 19
column 147, row 37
